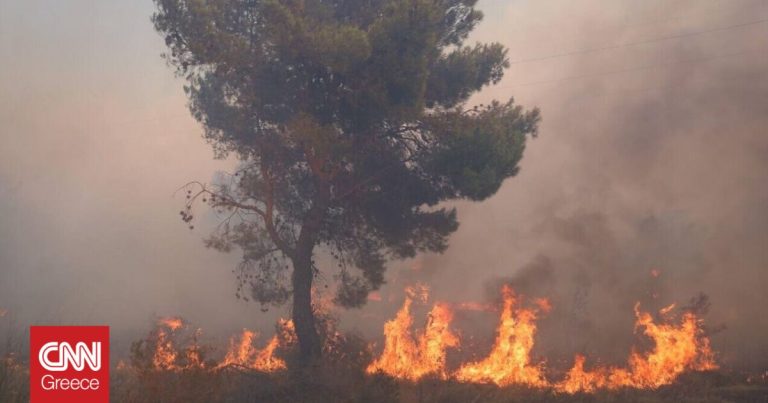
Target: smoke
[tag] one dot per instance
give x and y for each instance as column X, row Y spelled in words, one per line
column 647, row 182
column 652, row 158
column 94, row 140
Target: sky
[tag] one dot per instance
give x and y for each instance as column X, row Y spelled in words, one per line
column 652, row 156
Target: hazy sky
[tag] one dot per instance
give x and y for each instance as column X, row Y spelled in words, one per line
column 652, row 155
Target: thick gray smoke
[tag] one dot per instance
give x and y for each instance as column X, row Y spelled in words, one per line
column 647, row 184
column 653, row 155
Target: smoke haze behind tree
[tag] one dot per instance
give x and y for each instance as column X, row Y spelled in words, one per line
column 647, row 182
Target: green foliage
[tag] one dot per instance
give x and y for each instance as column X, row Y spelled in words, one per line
column 349, row 118
column 475, row 155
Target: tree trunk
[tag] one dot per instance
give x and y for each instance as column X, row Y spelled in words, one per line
column 303, row 316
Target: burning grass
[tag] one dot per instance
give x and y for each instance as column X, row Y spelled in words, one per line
column 412, row 368
column 677, row 348
column 412, row 358
column 172, row 365
column 509, row 362
column 174, row 346
column 332, row 382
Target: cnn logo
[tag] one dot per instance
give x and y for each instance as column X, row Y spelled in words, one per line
column 77, row 357
column 72, row 364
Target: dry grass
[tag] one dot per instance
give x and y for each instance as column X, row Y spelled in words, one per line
column 14, row 376
column 330, row 382
column 334, row 384
column 14, row 380
column 340, row 377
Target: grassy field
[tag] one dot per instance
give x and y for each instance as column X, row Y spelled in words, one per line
column 340, row 377
column 334, row 383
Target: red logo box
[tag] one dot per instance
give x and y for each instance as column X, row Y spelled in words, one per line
column 69, row 364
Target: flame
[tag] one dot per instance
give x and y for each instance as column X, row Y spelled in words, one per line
column 408, row 357
column 165, row 353
column 194, row 353
column 172, row 323
column 543, row 304
column 245, row 355
column 676, row 349
column 664, row 312
column 412, row 355
column 419, row 292
column 437, row 337
column 286, row 332
column 167, row 357
column 509, row 361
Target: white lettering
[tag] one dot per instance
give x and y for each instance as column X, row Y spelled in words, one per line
column 48, row 382
column 76, row 357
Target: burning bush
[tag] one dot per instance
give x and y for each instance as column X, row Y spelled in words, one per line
column 412, row 358
column 676, row 349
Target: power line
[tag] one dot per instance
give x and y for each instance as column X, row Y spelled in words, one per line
column 636, row 43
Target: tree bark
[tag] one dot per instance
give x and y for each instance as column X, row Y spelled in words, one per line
column 303, row 315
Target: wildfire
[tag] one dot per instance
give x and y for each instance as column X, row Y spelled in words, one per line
column 509, row 361
column 171, row 323
column 408, row 357
column 408, row 354
column 166, row 356
column 286, row 332
column 676, row 349
column 243, row 354
column 165, row 353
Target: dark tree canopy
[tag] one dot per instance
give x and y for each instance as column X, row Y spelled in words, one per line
column 350, row 121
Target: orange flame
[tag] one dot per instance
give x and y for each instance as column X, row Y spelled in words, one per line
column 419, row 292
column 165, row 354
column 167, row 357
column 509, row 361
column 677, row 349
column 172, row 323
column 245, row 355
column 407, row 357
column 286, row 331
